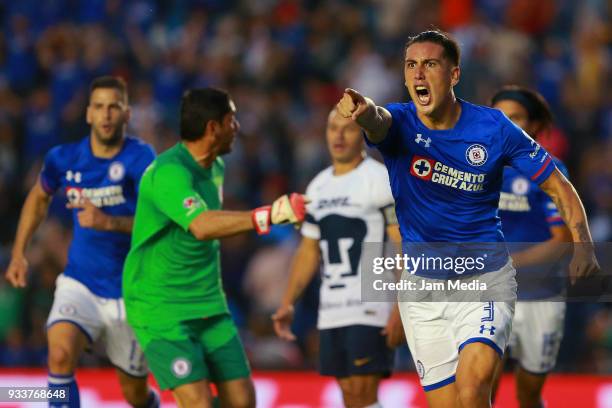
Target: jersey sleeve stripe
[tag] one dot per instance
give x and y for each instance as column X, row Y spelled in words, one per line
column 544, row 166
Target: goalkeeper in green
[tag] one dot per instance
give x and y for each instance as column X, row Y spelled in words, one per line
column 171, row 280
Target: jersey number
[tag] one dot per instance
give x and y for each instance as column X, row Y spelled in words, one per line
column 341, row 240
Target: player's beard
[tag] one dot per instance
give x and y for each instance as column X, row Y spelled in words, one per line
column 225, row 149
column 113, row 140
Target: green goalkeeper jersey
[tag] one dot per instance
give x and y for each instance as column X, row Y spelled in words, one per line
column 169, row 275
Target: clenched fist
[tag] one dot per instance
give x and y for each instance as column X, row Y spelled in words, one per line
column 287, row 209
column 90, row 216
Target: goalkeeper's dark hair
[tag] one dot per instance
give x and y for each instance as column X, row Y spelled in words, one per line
column 536, row 106
column 450, row 45
column 111, row 82
column 198, row 107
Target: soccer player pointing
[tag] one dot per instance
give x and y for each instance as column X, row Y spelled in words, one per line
column 172, row 281
column 445, row 159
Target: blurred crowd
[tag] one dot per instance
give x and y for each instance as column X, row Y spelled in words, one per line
column 286, row 63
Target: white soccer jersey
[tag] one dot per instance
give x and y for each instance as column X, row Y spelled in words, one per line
column 344, row 212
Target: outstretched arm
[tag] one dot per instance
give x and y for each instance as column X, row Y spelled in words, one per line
column 305, row 264
column 374, row 120
column 33, row 213
column 562, row 192
column 288, row 209
column 220, row 224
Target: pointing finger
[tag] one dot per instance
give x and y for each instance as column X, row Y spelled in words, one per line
column 355, row 96
column 360, row 109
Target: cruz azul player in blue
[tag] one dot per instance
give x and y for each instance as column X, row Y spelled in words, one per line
column 445, row 159
column 99, row 176
column 531, row 220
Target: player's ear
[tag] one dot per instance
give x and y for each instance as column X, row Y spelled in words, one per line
column 455, row 74
column 212, row 127
column 88, row 115
column 128, row 114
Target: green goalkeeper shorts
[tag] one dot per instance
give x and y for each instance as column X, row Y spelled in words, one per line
column 191, row 350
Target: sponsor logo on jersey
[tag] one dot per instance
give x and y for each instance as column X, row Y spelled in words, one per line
column 181, row 367
column 360, row 362
column 513, row 202
column 333, row 202
column 116, row 171
column 419, row 139
column 421, row 167
column 476, row 155
column 68, row 309
column 535, row 150
column 420, row 369
column 192, row 203
column 73, row 176
column 100, row 197
column 434, row 171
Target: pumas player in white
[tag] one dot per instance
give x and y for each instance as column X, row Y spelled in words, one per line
column 350, row 203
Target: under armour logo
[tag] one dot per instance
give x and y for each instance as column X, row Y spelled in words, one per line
column 491, row 329
column 76, row 176
column 419, row 139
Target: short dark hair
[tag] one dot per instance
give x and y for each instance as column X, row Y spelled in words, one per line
column 534, row 103
column 198, row 107
column 112, row 82
column 450, row 45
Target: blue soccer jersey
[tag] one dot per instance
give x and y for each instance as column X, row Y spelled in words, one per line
column 527, row 214
column 95, row 258
column 446, row 183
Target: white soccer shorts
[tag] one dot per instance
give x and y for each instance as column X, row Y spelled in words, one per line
column 100, row 319
column 436, row 332
column 537, row 331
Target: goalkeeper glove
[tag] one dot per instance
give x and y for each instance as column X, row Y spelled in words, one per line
column 284, row 210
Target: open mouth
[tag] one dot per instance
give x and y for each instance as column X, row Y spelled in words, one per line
column 423, row 94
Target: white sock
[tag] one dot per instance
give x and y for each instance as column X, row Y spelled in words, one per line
column 374, row 405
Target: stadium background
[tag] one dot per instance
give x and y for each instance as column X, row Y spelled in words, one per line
column 286, row 63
